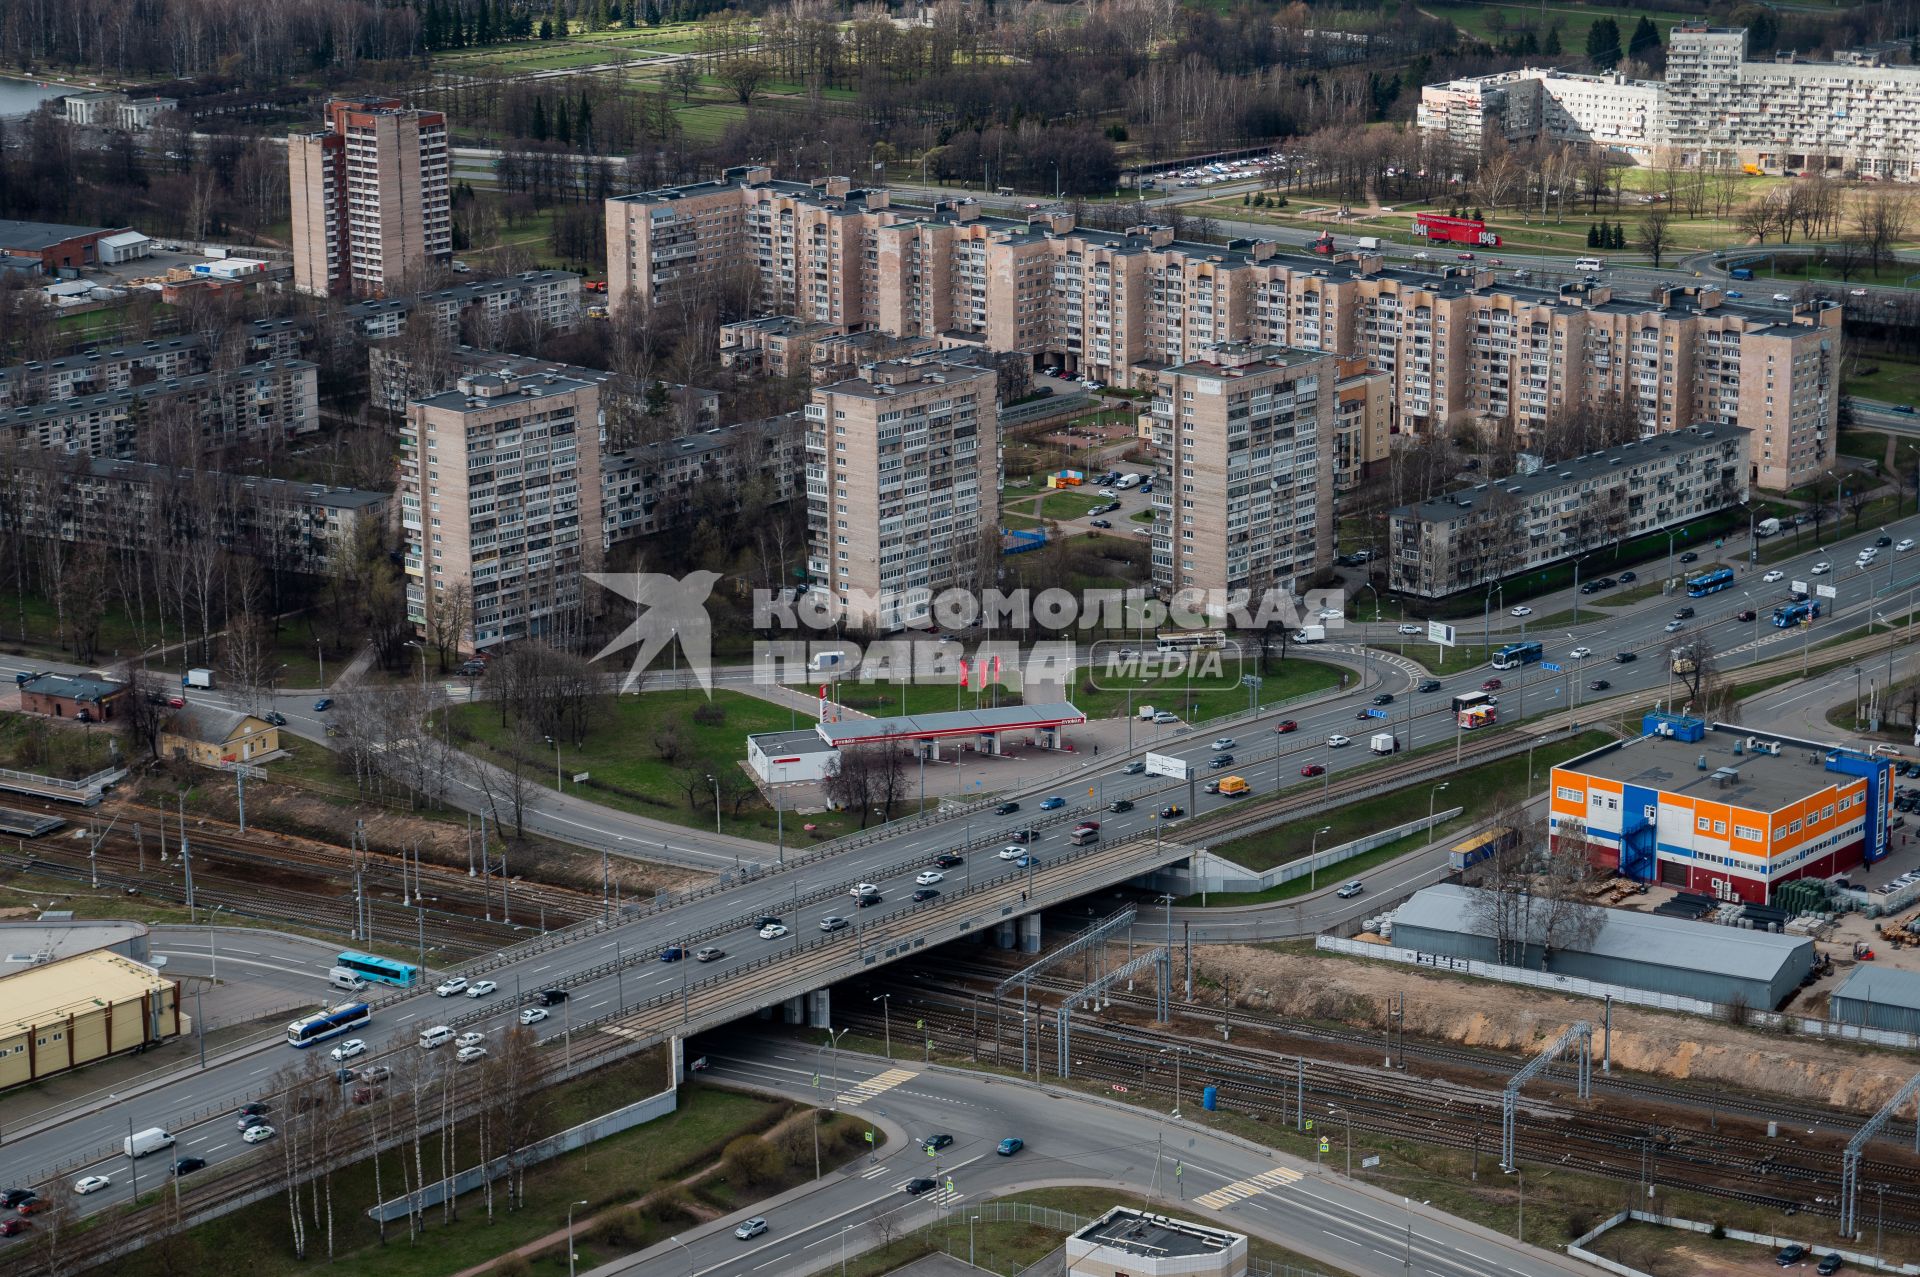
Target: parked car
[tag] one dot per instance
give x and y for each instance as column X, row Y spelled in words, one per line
column 1829, row 1263
column 1790, row 1255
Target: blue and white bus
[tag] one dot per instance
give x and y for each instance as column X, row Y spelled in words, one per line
column 1514, row 655
column 329, row 1023
column 1796, row 613
column 381, row 970
column 1710, row 583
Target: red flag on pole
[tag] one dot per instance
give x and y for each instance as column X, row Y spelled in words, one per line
column 963, row 671
column 996, row 667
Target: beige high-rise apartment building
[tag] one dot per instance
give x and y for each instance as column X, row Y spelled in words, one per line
column 371, row 205
column 1462, row 349
column 500, row 487
column 1243, row 491
column 902, row 486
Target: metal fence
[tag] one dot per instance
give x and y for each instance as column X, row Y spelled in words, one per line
column 86, row 784
column 1774, row 1241
column 1211, row 874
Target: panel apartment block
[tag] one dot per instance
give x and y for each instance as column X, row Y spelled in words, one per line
column 500, row 486
column 1460, row 347
column 544, row 300
column 1243, row 494
column 1495, row 529
column 274, row 399
column 1716, row 107
column 902, row 489
column 371, row 205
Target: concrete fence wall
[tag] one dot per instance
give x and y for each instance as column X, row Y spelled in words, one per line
column 566, row 1141
column 1577, row 1248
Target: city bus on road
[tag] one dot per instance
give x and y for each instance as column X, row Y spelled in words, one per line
column 1514, row 655
column 1796, row 614
column 1468, row 700
column 1191, row 640
column 1710, row 583
column 379, row 970
column 332, row 1022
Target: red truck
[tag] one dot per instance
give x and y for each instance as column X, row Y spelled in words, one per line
column 1323, row 245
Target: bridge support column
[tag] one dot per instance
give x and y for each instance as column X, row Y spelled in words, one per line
column 820, row 1006
column 796, row 1010
column 1003, row 934
column 1030, row 933
column 764, row 1013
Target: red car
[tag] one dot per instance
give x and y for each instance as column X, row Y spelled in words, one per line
column 1465, row 257
column 1491, row 685
column 1287, row 725
column 32, row 1206
column 13, row 1227
column 1313, row 769
column 1088, row 824
column 176, row 702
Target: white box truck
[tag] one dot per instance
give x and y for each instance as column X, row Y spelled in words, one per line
column 151, row 1140
column 1368, row 242
column 1147, row 712
column 1766, row 528
column 1383, row 743
column 1310, row 634
column 198, row 678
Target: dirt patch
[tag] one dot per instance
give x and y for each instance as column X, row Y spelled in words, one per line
column 1504, row 1017
column 1672, row 1252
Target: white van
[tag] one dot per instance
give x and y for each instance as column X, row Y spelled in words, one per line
column 341, row 978
column 438, row 1035
column 1590, row 263
column 151, row 1140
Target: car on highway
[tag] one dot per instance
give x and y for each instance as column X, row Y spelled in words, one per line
column 672, row 953
column 752, row 1228
column 13, row 1227
column 258, row 1134
column 1684, row 614
column 1734, row 292
column 375, row 1073
column 1903, row 545
column 934, row 1143
column 1689, row 557
column 533, row 1015
column 1085, row 825
column 275, row 717
column 1624, row 658
column 1011, row 852
column 1053, row 803
column 1745, row 614
column 1628, row 578
column 859, row 889
column 915, row 1187
column 481, row 988
column 247, row 1121
column 867, row 901
column 92, row 1183
column 1337, row 741
column 1313, row 769
column 1783, row 297
column 1027, row 862
column 1598, row 685
column 14, row 1196
column 1490, row 685
column 1120, row 804
column 928, row 877
column 1022, row 835
column 1773, row 575
column 1411, row 629
column 1350, row 890
column 1790, row 1255
column 1006, row 809
column 468, row 1054
column 1383, row 698
column 1134, row 768
column 1821, row 568
column 1671, row 626
column 773, row 931
column 1428, row 685
column 450, row 986
column 322, row 705
column 1330, row 614
column 923, row 894
column 945, row 860
column 255, row 1109
column 1220, row 760
column 1286, row 725
column 1882, row 541
column 1520, row 611
column 348, row 1049
column 1172, row 811
column 1224, row 742
column 1580, row 653
column 834, row 922
column 470, row 1038
column 32, row 1206
column 709, row 953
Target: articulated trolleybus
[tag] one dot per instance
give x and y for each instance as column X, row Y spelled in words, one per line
column 1710, row 583
column 1796, row 614
column 329, row 1023
column 1514, row 655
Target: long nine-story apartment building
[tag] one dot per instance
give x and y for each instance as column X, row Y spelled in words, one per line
column 1461, row 348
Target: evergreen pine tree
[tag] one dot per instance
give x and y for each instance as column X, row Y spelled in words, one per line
column 539, row 127
column 483, row 24
column 1620, row 235
column 1644, row 41
column 562, row 123
column 653, row 14
column 1551, row 45
column 546, row 28
column 583, row 122
column 1603, row 43
column 1593, row 235
column 430, row 25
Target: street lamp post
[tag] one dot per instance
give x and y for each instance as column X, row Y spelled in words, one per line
column 1313, row 864
column 715, row 782
column 886, row 1020
column 1431, row 795
column 683, row 1246
column 570, row 1255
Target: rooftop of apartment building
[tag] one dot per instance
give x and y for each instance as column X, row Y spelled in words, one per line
column 484, row 392
column 646, row 456
column 287, row 490
column 1730, row 764
column 1238, row 358
column 1449, row 508
column 473, row 291
column 96, row 357
column 898, row 376
column 780, row 324
column 29, row 413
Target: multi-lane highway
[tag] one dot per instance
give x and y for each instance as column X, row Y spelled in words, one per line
column 804, row 893
column 1069, row 1139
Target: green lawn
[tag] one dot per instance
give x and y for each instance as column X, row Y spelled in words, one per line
column 1477, row 789
column 1437, row 659
column 1210, row 693
column 1061, row 506
column 1882, row 377
column 1478, row 19
column 1798, row 267
column 51, row 747
column 1141, row 516
column 607, row 1175
column 626, row 757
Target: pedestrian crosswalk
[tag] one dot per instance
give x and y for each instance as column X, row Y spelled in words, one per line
column 877, row 1085
column 1252, row 1186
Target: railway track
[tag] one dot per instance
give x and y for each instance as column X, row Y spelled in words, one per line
column 1666, row 1141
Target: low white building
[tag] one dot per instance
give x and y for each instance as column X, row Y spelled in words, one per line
column 124, row 247
column 1130, row 1243
column 138, row 114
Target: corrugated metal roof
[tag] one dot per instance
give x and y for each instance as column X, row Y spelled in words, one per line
column 1882, row 986
column 1627, row 936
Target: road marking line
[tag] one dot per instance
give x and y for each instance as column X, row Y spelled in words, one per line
column 1252, row 1186
column 875, row 1086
